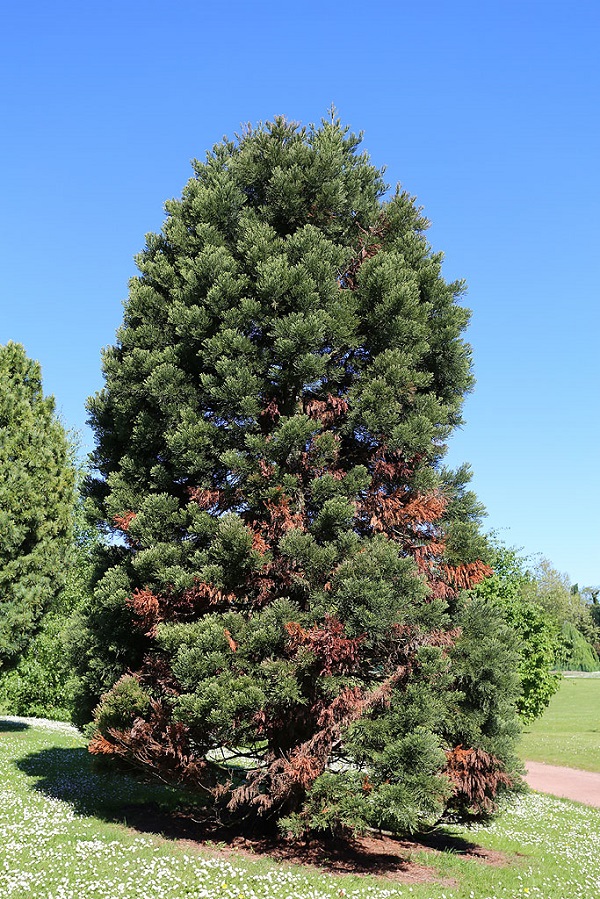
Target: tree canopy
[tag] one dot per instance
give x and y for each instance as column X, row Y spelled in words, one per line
column 42, row 680
column 36, row 500
column 513, row 588
column 280, row 621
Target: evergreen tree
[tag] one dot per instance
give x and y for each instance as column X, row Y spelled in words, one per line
column 268, row 449
column 43, row 681
column 36, row 501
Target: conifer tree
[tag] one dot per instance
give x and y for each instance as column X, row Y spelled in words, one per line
column 268, row 448
column 36, row 500
column 42, row 680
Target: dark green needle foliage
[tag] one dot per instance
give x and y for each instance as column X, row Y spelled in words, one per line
column 279, row 623
column 36, row 501
column 43, row 681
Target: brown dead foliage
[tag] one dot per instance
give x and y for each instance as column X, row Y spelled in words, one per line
column 477, row 777
column 156, row 745
column 336, row 653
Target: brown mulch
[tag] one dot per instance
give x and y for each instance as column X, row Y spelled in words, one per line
column 375, row 854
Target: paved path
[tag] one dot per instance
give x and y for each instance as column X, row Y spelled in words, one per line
column 568, row 783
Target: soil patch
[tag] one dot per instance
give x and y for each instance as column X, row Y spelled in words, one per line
column 374, row 854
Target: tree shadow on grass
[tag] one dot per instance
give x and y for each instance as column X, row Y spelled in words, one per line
column 7, row 726
column 73, row 776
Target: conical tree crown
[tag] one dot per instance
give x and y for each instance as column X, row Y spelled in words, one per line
column 268, row 445
column 280, row 278
column 36, row 500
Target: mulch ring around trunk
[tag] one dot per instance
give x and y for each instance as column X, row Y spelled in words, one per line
column 375, row 854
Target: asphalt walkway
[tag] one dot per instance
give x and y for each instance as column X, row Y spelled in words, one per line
column 568, row 783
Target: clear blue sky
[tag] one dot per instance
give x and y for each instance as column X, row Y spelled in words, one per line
column 487, row 111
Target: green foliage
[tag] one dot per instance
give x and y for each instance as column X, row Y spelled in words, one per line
column 36, row 501
column 554, row 592
column 590, row 594
column 125, row 702
column 575, row 653
column 552, row 620
column 43, row 682
column 95, row 637
column 464, row 539
column 512, row 590
column 288, row 556
column 487, row 679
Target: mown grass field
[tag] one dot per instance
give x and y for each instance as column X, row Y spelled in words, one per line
column 568, row 733
column 57, row 841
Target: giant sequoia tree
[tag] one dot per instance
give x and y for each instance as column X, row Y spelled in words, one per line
column 36, row 500
column 281, row 624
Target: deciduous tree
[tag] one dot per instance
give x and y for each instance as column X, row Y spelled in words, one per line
column 514, row 589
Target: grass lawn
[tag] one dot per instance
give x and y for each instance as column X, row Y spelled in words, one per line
column 568, row 733
column 57, row 841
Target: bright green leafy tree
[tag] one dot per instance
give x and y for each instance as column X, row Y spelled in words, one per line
column 513, row 588
column 590, row 595
column 573, row 614
column 284, row 598
column 36, row 501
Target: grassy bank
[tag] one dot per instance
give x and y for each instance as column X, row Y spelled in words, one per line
column 58, row 842
column 568, row 733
